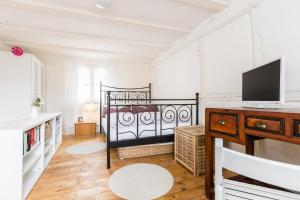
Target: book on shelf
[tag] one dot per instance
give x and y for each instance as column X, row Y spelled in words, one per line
column 30, row 138
column 25, row 144
column 48, row 131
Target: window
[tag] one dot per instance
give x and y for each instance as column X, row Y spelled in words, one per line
column 99, row 75
column 89, row 83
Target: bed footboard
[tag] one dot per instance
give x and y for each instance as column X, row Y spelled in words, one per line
column 130, row 125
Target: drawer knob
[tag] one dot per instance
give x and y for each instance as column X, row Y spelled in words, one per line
column 222, row 122
column 261, row 125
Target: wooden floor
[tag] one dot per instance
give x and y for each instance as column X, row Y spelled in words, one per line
column 85, row 177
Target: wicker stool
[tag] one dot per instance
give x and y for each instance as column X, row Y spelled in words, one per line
column 190, row 148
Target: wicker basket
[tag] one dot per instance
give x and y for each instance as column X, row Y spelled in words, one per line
column 190, row 148
column 145, row 150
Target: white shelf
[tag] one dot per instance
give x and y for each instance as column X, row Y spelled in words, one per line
column 48, row 147
column 30, row 161
column 32, row 150
column 29, row 180
column 48, row 141
column 57, row 142
column 29, row 123
column 48, row 157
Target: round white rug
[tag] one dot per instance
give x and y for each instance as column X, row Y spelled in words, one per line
column 141, row 182
column 86, row 148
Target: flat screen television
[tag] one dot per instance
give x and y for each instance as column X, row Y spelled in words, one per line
column 265, row 84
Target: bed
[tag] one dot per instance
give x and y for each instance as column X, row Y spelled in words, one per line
column 131, row 117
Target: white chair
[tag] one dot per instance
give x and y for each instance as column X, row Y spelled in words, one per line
column 279, row 174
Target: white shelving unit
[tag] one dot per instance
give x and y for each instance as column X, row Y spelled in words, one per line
column 58, row 130
column 19, row 170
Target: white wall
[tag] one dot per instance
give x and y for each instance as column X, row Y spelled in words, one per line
column 266, row 33
column 277, row 27
column 3, row 47
column 226, row 53
column 237, row 40
column 59, row 83
column 177, row 76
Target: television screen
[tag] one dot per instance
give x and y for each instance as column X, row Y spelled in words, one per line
column 262, row 83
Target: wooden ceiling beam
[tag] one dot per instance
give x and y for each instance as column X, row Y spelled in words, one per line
column 114, row 40
column 44, row 46
column 215, row 5
column 78, row 12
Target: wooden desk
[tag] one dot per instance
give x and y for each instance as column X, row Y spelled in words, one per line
column 85, row 129
column 244, row 126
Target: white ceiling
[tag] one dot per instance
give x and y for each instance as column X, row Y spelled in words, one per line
column 129, row 29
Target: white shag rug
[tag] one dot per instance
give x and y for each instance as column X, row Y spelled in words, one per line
column 141, row 182
column 86, row 148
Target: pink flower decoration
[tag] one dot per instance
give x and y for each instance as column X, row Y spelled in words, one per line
column 18, row 51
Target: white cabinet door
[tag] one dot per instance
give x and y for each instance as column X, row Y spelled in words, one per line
column 43, row 87
column 38, row 81
column 15, row 86
column 22, row 79
column 35, row 79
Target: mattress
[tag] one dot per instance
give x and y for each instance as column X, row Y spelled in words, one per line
column 144, row 130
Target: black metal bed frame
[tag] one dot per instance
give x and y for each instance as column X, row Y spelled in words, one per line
column 168, row 111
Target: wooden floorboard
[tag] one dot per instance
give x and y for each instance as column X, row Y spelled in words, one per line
column 85, row 177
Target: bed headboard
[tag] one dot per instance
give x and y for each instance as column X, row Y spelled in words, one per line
column 124, row 95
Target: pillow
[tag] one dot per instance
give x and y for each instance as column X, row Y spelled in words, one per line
column 114, row 110
column 125, row 109
column 137, row 109
column 133, row 109
column 141, row 109
column 151, row 108
column 105, row 111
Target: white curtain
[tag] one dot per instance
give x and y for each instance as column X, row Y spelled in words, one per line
column 72, row 106
column 81, row 89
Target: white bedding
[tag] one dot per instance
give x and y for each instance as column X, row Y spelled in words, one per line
column 129, row 132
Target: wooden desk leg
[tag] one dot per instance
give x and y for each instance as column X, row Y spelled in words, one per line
column 209, row 166
column 250, row 145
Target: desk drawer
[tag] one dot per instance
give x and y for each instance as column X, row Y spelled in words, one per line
column 297, row 128
column 224, row 123
column 272, row 125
